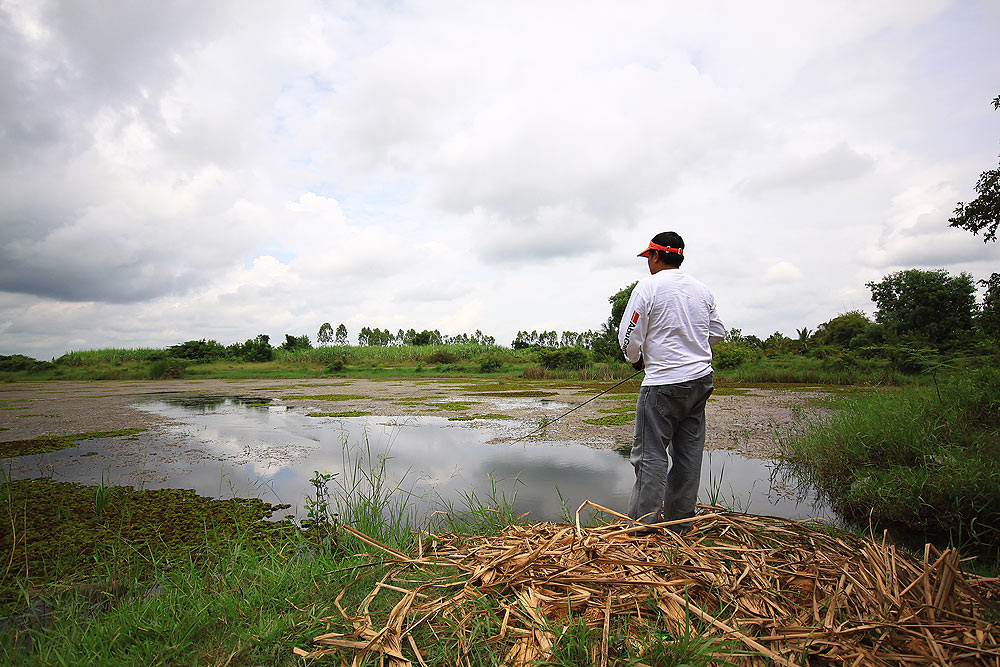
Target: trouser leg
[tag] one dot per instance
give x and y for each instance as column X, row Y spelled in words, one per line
column 687, row 450
column 681, row 492
column 669, row 424
column 649, row 458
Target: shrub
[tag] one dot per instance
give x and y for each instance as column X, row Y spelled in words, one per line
column 167, row 368
column 336, row 363
column 197, row 350
column 564, row 357
column 19, row 362
column 442, row 357
column 490, row 364
column 733, row 355
column 256, row 349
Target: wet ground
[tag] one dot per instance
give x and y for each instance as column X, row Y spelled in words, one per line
column 442, row 441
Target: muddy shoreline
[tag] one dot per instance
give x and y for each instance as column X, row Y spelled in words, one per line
column 746, row 421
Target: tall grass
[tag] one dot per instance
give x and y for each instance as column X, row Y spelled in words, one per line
column 927, row 458
column 108, row 356
column 804, row 370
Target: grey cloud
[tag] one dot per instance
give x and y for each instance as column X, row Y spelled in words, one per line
column 96, row 55
column 504, row 244
column 78, row 278
column 840, row 163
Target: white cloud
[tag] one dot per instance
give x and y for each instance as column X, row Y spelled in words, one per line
column 217, row 169
column 783, row 272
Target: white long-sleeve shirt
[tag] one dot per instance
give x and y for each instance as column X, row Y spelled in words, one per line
column 671, row 322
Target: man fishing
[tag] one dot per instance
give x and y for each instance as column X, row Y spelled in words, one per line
column 669, row 328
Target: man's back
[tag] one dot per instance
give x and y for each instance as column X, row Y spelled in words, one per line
column 671, row 318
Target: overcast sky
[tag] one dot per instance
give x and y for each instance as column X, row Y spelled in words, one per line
column 210, row 169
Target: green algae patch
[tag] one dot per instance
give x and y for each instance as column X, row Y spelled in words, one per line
column 527, row 393
column 58, row 532
column 612, row 420
column 349, row 413
column 51, row 443
column 452, row 405
column 467, row 418
column 325, row 397
column 624, row 406
column 732, row 391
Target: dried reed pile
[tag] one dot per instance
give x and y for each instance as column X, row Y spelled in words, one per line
column 784, row 592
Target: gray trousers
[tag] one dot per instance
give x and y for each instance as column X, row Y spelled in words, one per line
column 667, row 449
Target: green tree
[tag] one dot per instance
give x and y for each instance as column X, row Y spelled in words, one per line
column 983, row 212
column 842, row 329
column 296, row 342
column 931, row 305
column 605, row 342
column 197, row 350
column 803, row 338
column 256, row 349
column 341, row 334
column 989, row 314
column 325, row 334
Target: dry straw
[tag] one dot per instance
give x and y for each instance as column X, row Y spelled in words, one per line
column 785, row 592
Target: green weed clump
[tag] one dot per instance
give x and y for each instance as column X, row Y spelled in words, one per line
column 613, row 420
column 51, row 443
column 925, row 458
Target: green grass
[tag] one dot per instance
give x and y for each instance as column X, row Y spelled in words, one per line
column 926, row 458
column 613, row 420
column 795, row 369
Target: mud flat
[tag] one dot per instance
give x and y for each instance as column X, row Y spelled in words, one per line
column 745, row 421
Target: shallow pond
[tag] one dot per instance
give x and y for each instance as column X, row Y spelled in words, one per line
column 229, row 446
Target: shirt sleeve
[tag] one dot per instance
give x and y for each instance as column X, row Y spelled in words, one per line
column 632, row 328
column 716, row 330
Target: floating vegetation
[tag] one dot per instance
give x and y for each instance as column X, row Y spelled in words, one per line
column 325, row 397
column 453, row 405
column 465, row 418
column 732, row 391
column 51, row 443
column 56, row 528
column 349, row 413
column 613, row 420
column 759, row 590
column 525, row 393
column 620, row 408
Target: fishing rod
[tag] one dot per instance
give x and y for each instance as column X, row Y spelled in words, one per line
column 542, row 427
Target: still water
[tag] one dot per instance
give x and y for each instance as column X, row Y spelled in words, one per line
column 229, row 446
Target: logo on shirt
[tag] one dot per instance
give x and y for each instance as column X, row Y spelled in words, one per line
column 628, row 331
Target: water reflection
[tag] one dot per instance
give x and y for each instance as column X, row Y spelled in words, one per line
column 228, row 446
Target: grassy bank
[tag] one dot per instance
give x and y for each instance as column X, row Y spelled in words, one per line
column 169, row 578
column 471, row 359
column 739, row 590
column 926, row 458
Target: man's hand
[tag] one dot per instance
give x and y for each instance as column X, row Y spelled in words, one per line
column 639, row 365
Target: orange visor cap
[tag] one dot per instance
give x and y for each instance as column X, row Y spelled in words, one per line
column 657, row 246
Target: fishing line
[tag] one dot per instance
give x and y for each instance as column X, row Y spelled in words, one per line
column 543, row 426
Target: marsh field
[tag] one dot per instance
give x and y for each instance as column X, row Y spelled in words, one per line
column 261, row 438
column 234, row 520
